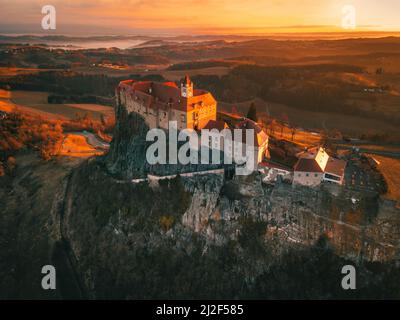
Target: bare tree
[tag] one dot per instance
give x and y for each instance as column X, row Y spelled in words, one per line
column 294, row 130
column 272, row 125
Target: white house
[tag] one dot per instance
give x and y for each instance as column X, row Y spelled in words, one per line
column 235, row 142
column 315, row 166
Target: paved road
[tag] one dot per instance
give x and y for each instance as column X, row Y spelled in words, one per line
column 93, row 140
column 391, row 154
column 348, row 145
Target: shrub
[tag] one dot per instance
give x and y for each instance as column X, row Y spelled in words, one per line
column 166, row 222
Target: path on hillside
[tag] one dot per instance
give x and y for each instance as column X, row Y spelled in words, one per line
column 93, row 140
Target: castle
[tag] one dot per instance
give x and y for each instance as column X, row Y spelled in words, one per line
column 194, row 109
column 160, row 103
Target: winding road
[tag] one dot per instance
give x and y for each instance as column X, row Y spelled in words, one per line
column 93, row 140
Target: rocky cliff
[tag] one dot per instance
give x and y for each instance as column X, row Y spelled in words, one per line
column 127, row 155
column 164, row 238
column 358, row 226
column 361, row 226
column 119, row 229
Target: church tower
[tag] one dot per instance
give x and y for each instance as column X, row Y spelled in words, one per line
column 187, row 88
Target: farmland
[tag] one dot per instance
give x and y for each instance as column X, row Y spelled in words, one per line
column 47, row 127
column 390, row 168
column 36, row 102
column 312, row 120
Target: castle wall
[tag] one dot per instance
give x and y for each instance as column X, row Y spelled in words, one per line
column 203, row 115
column 197, row 117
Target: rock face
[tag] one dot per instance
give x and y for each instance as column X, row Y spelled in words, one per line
column 359, row 226
column 119, row 231
column 127, row 155
column 368, row 228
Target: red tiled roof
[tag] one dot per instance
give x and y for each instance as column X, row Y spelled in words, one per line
column 309, row 153
column 216, row 124
column 171, row 84
column 335, row 166
column 274, row 165
column 307, row 165
column 259, row 135
column 166, row 95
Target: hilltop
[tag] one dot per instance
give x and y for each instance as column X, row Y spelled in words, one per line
column 209, row 236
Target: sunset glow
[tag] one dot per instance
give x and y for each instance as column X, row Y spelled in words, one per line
column 201, row 16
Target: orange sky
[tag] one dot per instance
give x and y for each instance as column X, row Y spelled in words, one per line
column 207, row 16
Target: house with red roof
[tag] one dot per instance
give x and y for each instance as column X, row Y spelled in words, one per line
column 316, row 166
column 272, row 170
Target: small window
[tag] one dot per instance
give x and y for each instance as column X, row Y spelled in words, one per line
column 307, row 175
column 299, row 175
column 316, row 175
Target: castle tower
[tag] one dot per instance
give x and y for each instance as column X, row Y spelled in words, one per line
column 187, row 88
